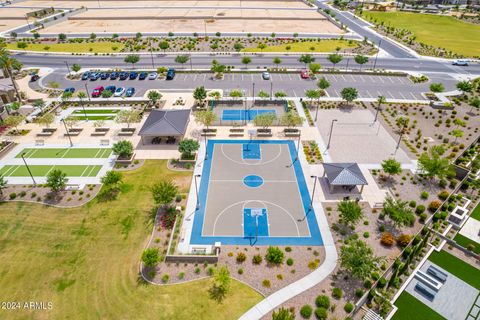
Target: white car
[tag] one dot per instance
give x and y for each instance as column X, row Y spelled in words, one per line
column 152, row 76
column 119, row 92
column 460, row 62
column 266, row 75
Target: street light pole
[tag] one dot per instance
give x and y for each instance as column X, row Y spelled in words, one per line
column 84, row 111
column 271, row 90
column 316, row 112
column 331, row 131
column 348, row 59
column 151, row 53
column 191, row 64
column 376, row 56
column 206, row 151
column 88, row 94
column 68, row 67
column 68, row 133
column 311, row 200
column 28, row 23
column 253, row 94
column 196, row 191
column 28, row 168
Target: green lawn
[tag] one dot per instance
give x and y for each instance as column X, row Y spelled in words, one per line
column 43, row 170
column 98, row 47
column 464, row 242
column 476, row 213
column 65, row 153
column 410, row 308
column 96, row 111
column 320, row 46
column 457, row 267
column 439, row 31
column 79, row 118
column 85, row 260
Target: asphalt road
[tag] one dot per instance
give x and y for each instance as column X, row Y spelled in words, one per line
column 368, row 86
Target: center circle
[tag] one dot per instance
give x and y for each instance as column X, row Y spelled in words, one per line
column 253, row 181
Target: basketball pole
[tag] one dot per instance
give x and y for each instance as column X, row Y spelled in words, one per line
column 196, row 191
column 311, row 200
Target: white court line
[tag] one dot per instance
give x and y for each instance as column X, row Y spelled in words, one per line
column 9, row 170
column 84, row 171
column 51, row 168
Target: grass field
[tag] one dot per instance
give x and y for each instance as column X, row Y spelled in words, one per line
column 85, row 260
column 439, row 31
column 319, row 46
column 457, row 267
column 96, row 111
column 65, row 153
column 409, row 308
column 80, row 118
column 476, row 213
column 97, row 47
column 464, row 242
column 43, row 170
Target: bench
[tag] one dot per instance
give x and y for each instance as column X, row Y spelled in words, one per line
column 425, row 291
column 428, row 280
column 98, row 133
column 102, row 130
column 209, row 134
column 237, row 130
column 49, row 130
column 233, row 135
column 264, row 134
column 292, row 134
column 44, row 134
column 437, row 274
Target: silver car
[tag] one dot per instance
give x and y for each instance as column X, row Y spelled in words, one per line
column 266, row 75
column 152, row 76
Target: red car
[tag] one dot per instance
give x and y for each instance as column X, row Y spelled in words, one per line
column 97, row 92
column 304, row 74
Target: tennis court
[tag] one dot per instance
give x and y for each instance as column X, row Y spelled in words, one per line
column 242, row 115
column 43, row 170
column 254, row 192
column 56, row 153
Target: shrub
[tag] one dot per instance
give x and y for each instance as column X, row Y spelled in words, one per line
column 288, row 249
column 241, row 257
column 178, row 198
column 366, row 235
column 266, row 283
column 321, row 313
column 322, row 301
column 240, row 271
column 367, row 284
column 22, row 194
column 165, row 278
column 306, row 311
column 359, row 293
column 181, row 275
column 443, row 195
column 274, row 255
column 337, row 293
column 197, row 270
column 289, row 261
column 387, row 239
column 412, row 204
column 348, row 307
column 403, row 240
column 423, row 217
column 12, row 195
column 424, row 195
column 210, row 271
column 434, row 205
column 257, row 259
column 381, row 282
column 381, row 228
column 420, row 209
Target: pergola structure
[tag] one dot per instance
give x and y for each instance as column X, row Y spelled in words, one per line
column 344, row 175
column 167, row 123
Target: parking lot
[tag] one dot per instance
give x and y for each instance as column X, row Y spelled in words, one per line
column 368, row 86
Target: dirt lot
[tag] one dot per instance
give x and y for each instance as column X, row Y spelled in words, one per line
column 11, row 18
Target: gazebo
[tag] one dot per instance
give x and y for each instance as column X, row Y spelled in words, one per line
column 167, row 123
column 346, row 176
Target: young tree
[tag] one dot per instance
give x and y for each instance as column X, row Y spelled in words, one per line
column 39, row 104
column 14, row 121
column 391, row 166
column 334, row 58
column 283, row 314
column 323, row 83
column 128, row 116
column 474, row 103
column 76, row 67
column 361, row 60
column 221, row 284
column 314, row 68
column 46, row 119
column 465, row 86
column 350, row 212
column 182, row 59
column 313, row 94
column 263, row 94
column 264, row 120
column 437, row 87
column 187, row 148
column 123, row 149
column 106, row 94
column 246, row 61
column 205, row 117
column 3, row 184
column 200, row 94
column 132, row 58
column 112, row 179
column 236, row 94
column 457, row 133
column 402, row 123
column 280, row 94
column 56, row 180
column 277, row 61
column 164, row 45
column 62, row 37
column 291, row 119
column 218, row 68
column 349, row 94
column 261, row 46
column 306, row 59
column 358, row 259
column 399, row 212
column 163, row 192
column 67, row 96
column 154, row 96
column 238, row 46
column 433, row 165
column 151, row 257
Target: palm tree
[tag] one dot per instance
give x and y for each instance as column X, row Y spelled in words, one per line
column 7, row 63
column 380, row 100
column 82, row 95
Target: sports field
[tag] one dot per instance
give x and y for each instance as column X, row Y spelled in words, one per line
column 65, row 153
column 91, row 117
column 439, row 31
column 97, row 47
column 43, row 170
column 329, row 45
column 96, row 111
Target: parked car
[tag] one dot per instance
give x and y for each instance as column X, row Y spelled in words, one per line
column 130, row 92
column 71, row 89
column 152, row 76
column 460, row 62
column 142, row 76
column 304, row 74
column 111, row 88
column 133, row 75
column 123, row 75
column 119, row 92
column 104, row 75
column 97, row 92
column 170, row 74
column 113, row 75
column 266, row 75
column 34, row 78
column 86, row 75
column 94, row 76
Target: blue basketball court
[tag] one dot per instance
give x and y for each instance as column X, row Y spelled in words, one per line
column 242, row 114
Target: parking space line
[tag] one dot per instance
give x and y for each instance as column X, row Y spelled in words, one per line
column 402, row 95
column 391, row 79
column 204, row 77
column 251, row 76
column 353, row 78
column 414, row 97
column 361, row 78
column 195, row 78
column 336, row 93
column 390, row 94
column 368, row 93
column 343, row 77
column 294, row 93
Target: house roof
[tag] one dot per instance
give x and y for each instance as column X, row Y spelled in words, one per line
column 344, row 174
column 166, row 123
